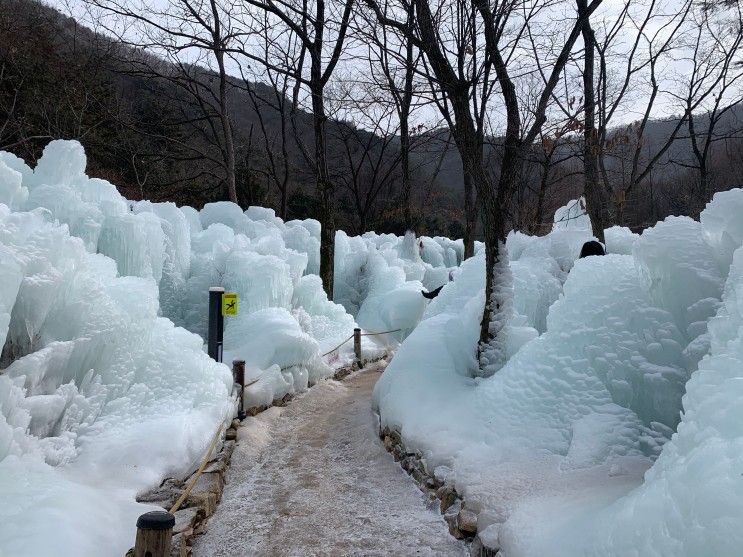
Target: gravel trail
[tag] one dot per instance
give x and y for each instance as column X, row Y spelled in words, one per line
column 314, row 479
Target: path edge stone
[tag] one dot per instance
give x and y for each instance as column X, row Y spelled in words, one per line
column 461, row 520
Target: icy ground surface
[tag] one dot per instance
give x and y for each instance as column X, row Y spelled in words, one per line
column 313, row 477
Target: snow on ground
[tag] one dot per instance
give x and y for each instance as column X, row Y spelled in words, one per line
column 313, row 479
column 102, row 393
column 570, row 448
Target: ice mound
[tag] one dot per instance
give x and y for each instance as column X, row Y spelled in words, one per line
column 570, row 448
column 691, row 500
column 379, row 277
column 279, row 303
column 620, row 239
column 96, row 390
column 572, row 216
column 100, row 394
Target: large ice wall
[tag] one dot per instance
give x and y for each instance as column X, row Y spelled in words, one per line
column 185, row 252
column 552, row 451
column 99, row 397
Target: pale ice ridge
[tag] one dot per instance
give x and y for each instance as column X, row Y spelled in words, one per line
column 86, row 419
column 553, row 449
column 186, row 252
column 100, row 394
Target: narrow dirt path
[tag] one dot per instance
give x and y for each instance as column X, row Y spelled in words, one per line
column 313, row 479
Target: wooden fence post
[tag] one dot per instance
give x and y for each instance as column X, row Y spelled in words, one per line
column 357, row 345
column 154, row 534
column 238, row 374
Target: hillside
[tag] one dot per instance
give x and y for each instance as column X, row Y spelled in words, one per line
column 148, row 135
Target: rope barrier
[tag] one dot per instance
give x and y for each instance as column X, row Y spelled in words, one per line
column 382, row 333
column 337, row 347
column 363, row 335
column 198, row 473
column 333, row 350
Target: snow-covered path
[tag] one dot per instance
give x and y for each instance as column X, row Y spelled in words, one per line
column 313, row 479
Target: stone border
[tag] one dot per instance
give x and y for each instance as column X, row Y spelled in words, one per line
column 191, row 519
column 201, row 503
column 462, row 521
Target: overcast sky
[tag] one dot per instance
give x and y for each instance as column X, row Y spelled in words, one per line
column 668, row 74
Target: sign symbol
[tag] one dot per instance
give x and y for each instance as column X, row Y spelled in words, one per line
column 229, row 304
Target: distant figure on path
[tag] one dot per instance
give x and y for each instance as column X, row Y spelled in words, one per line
column 433, row 293
column 591, row 248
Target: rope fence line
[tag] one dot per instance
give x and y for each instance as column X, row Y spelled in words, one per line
column 337, row 347
column 198, row 472
column 284, row 368
column 381, row 333
column 363, row 335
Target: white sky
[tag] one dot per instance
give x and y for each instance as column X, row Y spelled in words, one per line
column 670, row 73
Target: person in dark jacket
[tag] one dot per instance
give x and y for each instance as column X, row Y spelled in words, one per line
column 591, row 248
column 432, row 294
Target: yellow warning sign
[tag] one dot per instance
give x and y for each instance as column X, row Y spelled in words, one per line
column 229, row 304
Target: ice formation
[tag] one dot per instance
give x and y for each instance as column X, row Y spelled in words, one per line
column 379, row 278
column 102, row 393
column 609, row 425
column 570, row 448
column 99, row 397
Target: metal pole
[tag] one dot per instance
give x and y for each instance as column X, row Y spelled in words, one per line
column 216, row 323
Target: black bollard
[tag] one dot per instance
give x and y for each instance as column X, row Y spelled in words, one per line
column 238, row 374
column 357, row 345
column 216, row 323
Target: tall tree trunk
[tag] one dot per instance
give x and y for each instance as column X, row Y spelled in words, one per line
column 224, row 118
column 543, row 184
column 282, row 206
column 470, row 215
column 405, row 170
column 324, row 185
column 703, row 189
column 596, row 202
column 406, row 101
column 498, row 286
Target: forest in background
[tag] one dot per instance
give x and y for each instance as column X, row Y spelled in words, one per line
column 151, row 127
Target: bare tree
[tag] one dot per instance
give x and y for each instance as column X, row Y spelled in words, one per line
column 715, row 74
column 652, row 38
column 271, row 102
column 195, row 38
column 392, row 59
column 595, row 192
column 310, row 22
column 499, row 26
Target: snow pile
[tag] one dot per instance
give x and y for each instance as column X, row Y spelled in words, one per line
column 545, row 449
column 99, row 397
column 379, row 278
